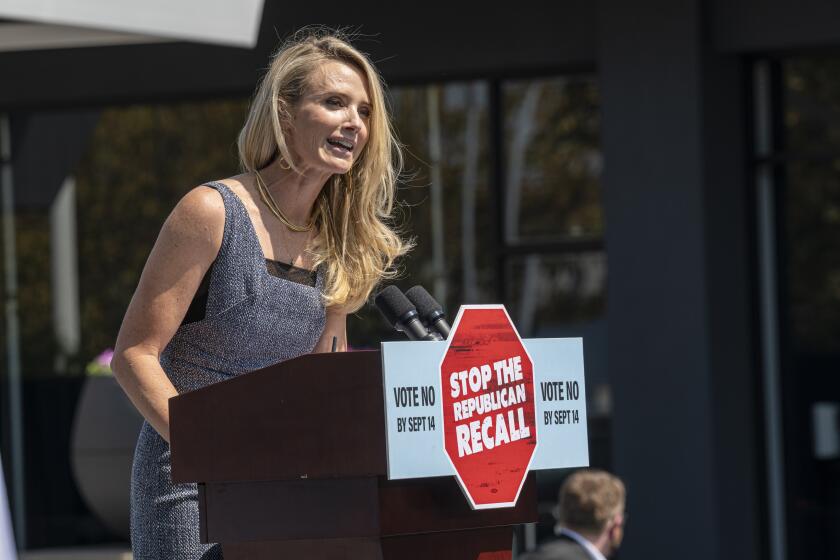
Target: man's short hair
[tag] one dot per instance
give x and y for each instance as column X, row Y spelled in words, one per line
column 589, row 498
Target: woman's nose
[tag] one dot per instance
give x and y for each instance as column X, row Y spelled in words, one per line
column 354, row 119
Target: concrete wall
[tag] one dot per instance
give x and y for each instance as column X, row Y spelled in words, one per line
column 774, row 25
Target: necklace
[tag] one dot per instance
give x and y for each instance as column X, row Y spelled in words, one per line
column 268, row 200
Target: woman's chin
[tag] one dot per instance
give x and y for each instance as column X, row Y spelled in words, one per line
column 340, row 167
column 335, row 165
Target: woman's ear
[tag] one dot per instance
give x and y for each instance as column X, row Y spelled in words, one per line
column 284, row 113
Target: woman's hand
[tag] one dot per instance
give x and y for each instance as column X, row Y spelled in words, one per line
column 186, row 247
column 335, row 326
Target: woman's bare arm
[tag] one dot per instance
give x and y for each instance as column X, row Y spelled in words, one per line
column 186, row 247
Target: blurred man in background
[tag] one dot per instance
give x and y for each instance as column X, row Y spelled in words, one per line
column 590, row 518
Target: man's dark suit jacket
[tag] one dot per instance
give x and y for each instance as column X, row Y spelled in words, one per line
column 563, row 548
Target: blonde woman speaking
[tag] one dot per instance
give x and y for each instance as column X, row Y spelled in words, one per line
column 262, row 266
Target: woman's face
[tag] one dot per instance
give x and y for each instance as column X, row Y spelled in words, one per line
column 330, row 122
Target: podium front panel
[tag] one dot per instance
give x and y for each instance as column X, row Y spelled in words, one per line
column 315, row 416
column 348, row 508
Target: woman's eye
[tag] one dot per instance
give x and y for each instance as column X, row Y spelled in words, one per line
column 334, row 101
column 365, row 113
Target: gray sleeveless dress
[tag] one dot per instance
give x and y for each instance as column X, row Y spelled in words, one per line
column 252, row 320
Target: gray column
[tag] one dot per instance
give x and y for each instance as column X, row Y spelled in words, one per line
column 679, row 351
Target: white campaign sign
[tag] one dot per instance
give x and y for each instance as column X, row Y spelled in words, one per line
column 415, row 447
column 561, row 403
column 413, row 415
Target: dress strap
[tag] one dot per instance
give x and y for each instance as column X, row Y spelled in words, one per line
column 235, row 273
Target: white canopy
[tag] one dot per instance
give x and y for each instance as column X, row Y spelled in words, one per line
column 72, row 23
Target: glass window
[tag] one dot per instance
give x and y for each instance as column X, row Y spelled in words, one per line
column 547, row 291
column 812, row 223
column 445, row 200
column 552, row 191
column 811, row 199
column 811, row 105
column 806, row 182
column 553, row 159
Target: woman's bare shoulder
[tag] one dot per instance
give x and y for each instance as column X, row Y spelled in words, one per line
column 202, row 202
column 198, row 219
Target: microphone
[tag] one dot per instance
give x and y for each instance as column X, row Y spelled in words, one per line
column 431, row 312
column 400, row 314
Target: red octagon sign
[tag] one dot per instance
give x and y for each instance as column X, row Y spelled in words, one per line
column 487, row 394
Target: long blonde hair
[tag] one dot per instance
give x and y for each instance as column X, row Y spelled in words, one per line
column 355, row 243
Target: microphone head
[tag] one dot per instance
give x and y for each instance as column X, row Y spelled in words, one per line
column 427, row 306
column 393, row 305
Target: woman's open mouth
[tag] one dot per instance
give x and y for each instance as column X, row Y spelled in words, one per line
column 340, row 145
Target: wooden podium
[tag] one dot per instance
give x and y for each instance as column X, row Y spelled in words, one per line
column 290, row 462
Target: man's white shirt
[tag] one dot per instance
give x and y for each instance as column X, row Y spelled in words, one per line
column 593, row 552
